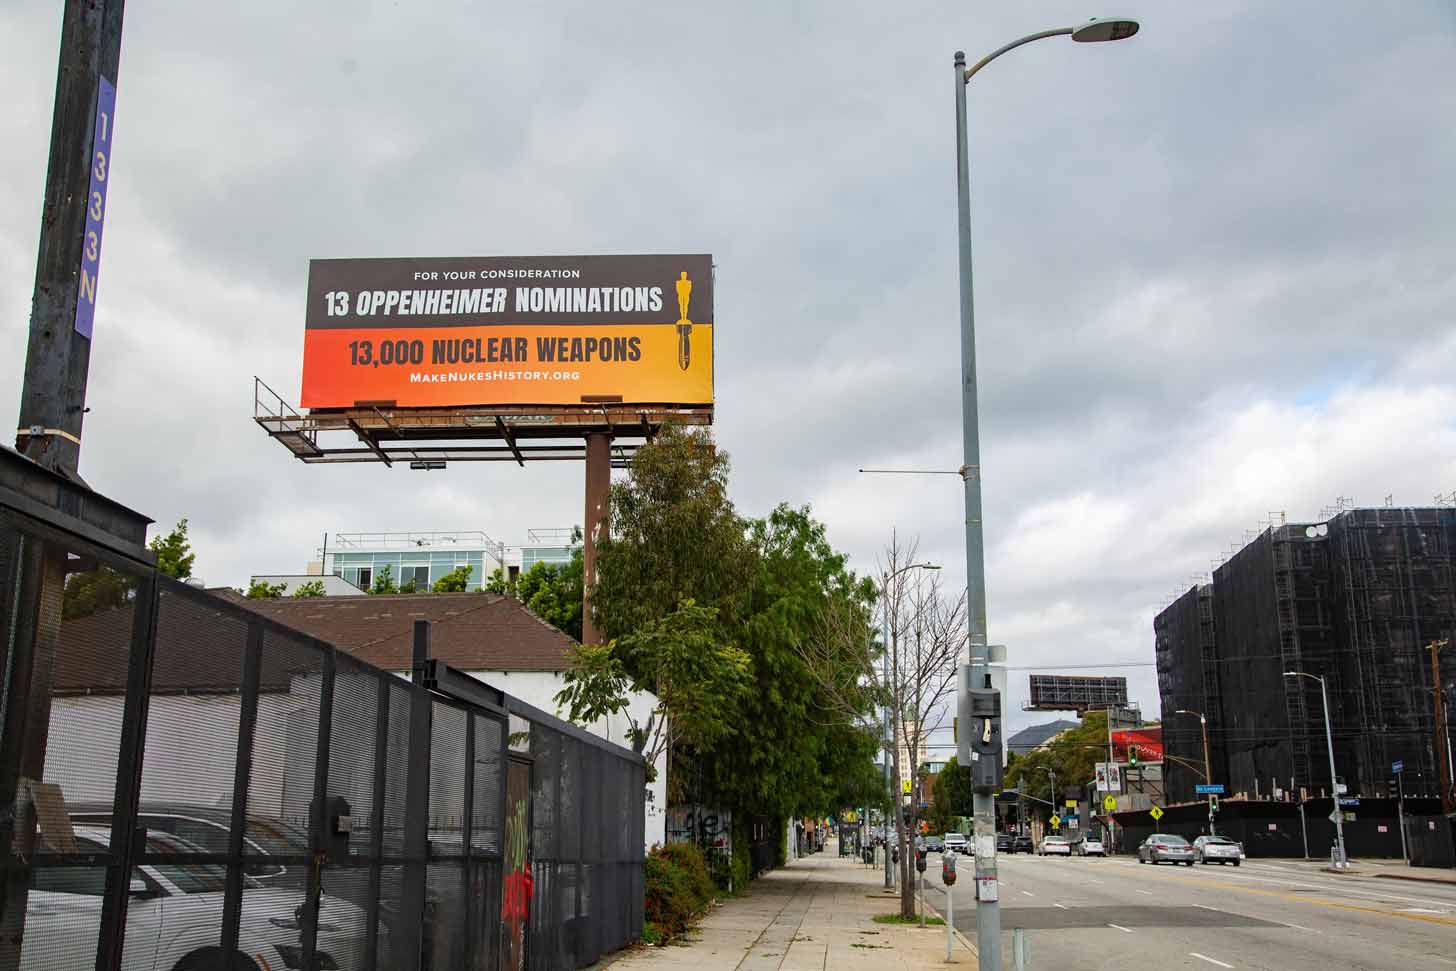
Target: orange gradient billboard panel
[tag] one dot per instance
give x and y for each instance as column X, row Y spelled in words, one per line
column 509, row 331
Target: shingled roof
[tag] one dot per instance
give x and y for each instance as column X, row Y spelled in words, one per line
column 470, row 631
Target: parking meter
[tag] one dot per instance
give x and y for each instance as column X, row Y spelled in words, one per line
column 895, row 855
column 947, row 870
column 920, row 860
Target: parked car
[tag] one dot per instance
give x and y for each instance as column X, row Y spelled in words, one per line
column 1091, row 847
column 1005, row 843
column 934, row 844
column 957, row 843
column 1217, row 849
column 173, row 915
column 1056, row 846
column 1165, row 848
column 1022, row 844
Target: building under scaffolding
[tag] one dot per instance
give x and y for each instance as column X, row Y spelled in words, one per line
column 1355, row 600
column 1188, row 681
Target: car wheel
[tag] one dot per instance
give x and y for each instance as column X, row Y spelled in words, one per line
column 1189, row 863
column 1236, row 863
column 212, row 960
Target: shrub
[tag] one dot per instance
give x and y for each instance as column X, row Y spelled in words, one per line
column 677, row 887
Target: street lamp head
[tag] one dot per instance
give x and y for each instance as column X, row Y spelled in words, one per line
column 1104, row 28
column 929, row 566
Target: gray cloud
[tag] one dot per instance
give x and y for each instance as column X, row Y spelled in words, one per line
column 1230, row 233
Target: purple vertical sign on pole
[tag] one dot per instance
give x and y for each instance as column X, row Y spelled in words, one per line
column 95, row 207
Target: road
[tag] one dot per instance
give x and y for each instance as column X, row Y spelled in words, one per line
column 1090, row 913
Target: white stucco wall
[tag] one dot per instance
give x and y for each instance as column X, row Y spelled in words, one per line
column 192, row 744
column 539, row 688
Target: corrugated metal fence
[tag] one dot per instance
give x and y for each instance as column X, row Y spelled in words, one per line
column 189, row 786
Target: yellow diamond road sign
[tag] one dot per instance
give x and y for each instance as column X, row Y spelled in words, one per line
column 1156, row 812
column 1109, row 803
column 1056, row 820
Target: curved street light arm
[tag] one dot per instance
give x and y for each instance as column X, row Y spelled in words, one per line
column 1058, row 32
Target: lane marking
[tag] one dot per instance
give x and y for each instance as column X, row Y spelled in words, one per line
column 1298, row 927
column 1315, row 901
column 1121, row 928
column 1148, row 892
column 1098, row 882
column 1028, row 893
column 1206, row 907
column 1063, row 906
column 1368, row 892
column 1205, row 957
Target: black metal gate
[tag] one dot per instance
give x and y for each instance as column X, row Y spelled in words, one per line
column 187, row 786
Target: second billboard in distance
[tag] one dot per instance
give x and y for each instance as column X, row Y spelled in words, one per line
column 557, row 330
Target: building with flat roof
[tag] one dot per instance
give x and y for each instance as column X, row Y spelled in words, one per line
column 417, row 559
column 1356, row 600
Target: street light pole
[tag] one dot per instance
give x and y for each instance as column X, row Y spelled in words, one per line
column 1207, row 776
column 988, row 913
column 1341, row 862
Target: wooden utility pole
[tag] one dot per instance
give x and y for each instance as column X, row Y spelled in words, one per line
column 58, row 355
column 1443, row 738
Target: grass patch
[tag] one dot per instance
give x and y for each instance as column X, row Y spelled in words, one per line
column 897, row 919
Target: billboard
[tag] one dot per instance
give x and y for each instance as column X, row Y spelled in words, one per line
column 1149, row 743
column 1070, row 692
column 548, row 330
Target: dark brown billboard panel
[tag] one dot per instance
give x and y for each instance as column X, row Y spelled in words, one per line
column 548, row 330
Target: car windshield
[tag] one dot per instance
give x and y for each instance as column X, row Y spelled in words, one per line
column 1218, row 840
column 1172, row 840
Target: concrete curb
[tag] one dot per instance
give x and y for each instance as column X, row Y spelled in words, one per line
column 1419, row 878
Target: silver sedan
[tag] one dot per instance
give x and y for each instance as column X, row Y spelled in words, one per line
column 1165, row 848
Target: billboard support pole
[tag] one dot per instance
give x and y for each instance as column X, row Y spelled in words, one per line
column 598, row 485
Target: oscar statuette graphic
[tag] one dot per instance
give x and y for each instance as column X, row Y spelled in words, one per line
column 684, row 326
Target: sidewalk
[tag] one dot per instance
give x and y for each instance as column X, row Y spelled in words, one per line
column 815, row 913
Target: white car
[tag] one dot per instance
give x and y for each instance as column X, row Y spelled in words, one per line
column 174, row 916
column 1217, row 849
column 1091, row 847
column 1056, row 846
column 957, row 843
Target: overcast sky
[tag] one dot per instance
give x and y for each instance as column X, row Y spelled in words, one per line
column 1215, row 264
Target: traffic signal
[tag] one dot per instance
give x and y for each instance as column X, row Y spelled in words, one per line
column 1212, row 805
column 1132, row 754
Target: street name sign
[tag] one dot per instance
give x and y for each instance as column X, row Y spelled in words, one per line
column 1156, row 812
column 1215, row 789
column 1071, row 804
column 1398, row 766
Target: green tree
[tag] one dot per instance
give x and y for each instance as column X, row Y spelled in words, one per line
column 456, row 581
column 174, row 552
column 497, row 583
column 674, row 536
column 95, row 591
column 263, row 590
column 951, row 798
column 384, row 581
column 312, row 588
column 552, row 591
column 699, row 682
